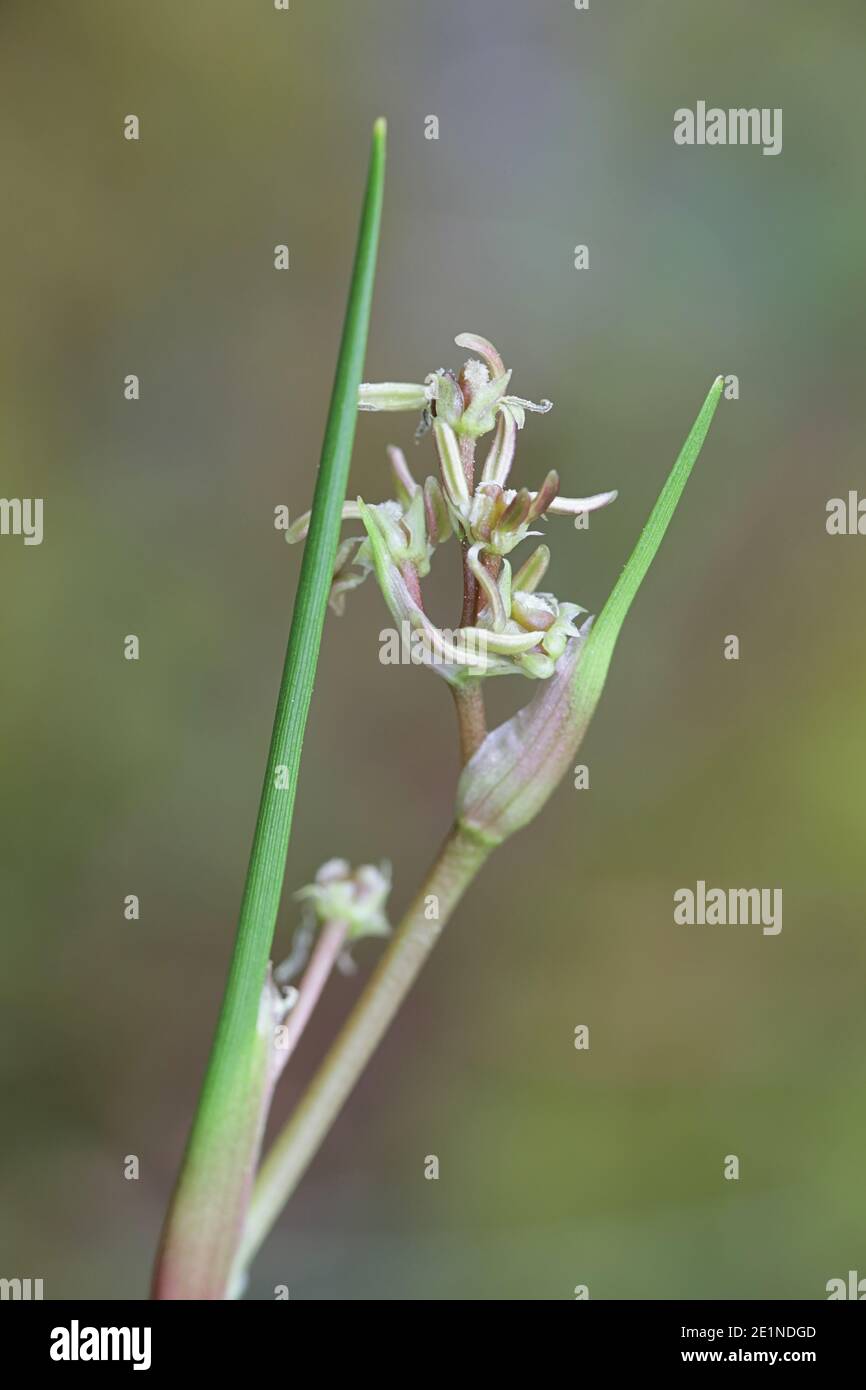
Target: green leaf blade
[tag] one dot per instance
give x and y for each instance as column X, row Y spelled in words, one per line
column 205, row 1219
column 605, row 631
column 520, row 764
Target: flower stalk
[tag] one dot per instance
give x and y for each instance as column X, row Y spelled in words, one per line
column 454, row 868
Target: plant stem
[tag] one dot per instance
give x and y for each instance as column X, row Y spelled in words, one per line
column 456, row 865
column 469, row 698
column 329, row 943
column 471, row 588
column 470, row 583
column 471, row 718
column 206, row 1215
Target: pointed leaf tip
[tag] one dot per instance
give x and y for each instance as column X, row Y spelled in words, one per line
column 521, row 762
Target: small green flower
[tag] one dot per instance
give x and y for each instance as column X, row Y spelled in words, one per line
column 498, row 517
column 414, row 523
column 515, row 610
column 469, row 403
column 358, row 897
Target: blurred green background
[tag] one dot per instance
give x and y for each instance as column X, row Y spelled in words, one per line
column 556, row 128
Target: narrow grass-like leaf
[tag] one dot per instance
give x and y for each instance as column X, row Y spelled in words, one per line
column 206, row 1216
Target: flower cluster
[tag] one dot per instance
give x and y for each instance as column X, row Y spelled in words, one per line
column 513, row 627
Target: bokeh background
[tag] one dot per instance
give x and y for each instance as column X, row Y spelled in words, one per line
column 557, row 1167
